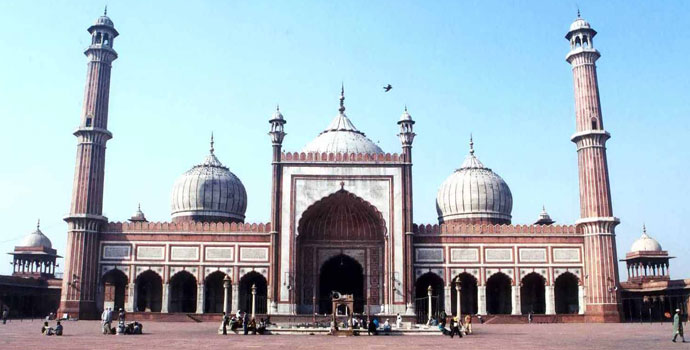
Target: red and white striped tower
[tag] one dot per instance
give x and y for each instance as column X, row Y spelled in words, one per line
column 596, row 222
column 80, row 279
column 277, row 134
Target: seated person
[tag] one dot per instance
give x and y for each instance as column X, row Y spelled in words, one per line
column 138, row 328
column 372, row 328
column 252, row 326
column 46, row 330
column 261, row 329
column 58, row 328
column 386, row 327
column 443, row 329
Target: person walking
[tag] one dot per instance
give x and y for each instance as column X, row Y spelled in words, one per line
column 224, row 325
column 245, row 323
column 468, row 324
column 5, row 314
column 105, row 324
column 677, row 327
column 455, row 327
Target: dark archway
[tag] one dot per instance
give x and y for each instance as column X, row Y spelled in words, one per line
column 214, row 292
column 343, row 274
column 468, row 294
column 183, row 290
column 498, row 294
column 149, row 292
column 422, row 296
column 246, row 283
column 532, row 294
column 567, row 294
column 114, row 284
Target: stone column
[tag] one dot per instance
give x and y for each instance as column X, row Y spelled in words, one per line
column 458, row 299
column 516, row 301
column 200, row 298
column 131, row 298
column 581, row 301
column 253, row 300
column 428, row 294
column 549, row 297
column 448, row 301
column 481, row 302
column 166, row 297
column 236, row 297
column 226, row 295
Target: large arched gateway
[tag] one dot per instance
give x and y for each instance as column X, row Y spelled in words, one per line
column 341, row 246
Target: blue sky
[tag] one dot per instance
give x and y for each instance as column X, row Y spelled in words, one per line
column 494, row 69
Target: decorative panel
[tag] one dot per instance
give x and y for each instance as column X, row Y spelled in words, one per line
column 253, row 253
column 532, row 254
column 150, row 252
column 184, row 253
column 220, row 253
column 566, row 255
column 116, row 252
column 499, row 254
column 464, row 255
column 429, row 254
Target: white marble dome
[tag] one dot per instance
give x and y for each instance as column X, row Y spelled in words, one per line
column 474, row 194
column 645, row 243
column 209, row 192
column 104, row 21
column 579, row 23
column 341, row 136
column 36, row 239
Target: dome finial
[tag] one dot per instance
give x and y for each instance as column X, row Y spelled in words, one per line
column 277, row 107
column 471, row 145
column 212, row 149
column 342, row 98
column 578, row 12
column 644, row 229
column 38, row 224
column 105, row 11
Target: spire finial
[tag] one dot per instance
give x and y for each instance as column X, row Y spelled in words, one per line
column 212, row 149
column 139, row 206
column 105, row 11
column 342, row 98
column 578, row 12
column 471, row 145
column 277, row 107
column 644, row 229
column 38, row 224
column 405, row 107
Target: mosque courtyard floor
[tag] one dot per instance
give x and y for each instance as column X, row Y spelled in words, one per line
column 189, row 335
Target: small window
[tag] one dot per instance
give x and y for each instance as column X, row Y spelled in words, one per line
column 595, row 124
column 88, row 122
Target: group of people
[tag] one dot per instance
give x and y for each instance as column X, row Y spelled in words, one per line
column 122, row 327
column 48, row 330
column 242, row 319
column 457, row 327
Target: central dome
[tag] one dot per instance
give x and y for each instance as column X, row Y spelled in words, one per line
column 341, row 136
column 474, row 194
column 209, row 192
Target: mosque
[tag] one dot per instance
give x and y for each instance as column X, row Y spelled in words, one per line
column 341, row 219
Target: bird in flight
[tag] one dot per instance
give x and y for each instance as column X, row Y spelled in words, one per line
column 387, row 88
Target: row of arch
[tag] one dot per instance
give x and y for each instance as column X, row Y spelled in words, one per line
column 182, row 291
column 499, row 292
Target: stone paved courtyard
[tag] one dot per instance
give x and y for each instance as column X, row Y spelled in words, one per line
column 188, row 335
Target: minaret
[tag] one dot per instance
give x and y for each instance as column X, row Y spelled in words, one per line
column 277, row 134
column 596, row 222
column 85, row 218
column 406, row 138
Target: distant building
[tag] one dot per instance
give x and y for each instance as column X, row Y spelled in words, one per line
column 650, row 294
column 32, row 290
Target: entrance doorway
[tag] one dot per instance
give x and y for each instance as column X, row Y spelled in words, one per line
column 422, row 296
column 468, row 294
column 149, row 292
column 498, row 294
column 246, row 282
column 183, row 292
column 567, row 294
column 214, row 293
column 114, row 287
column 341, row 274
column 532, row 294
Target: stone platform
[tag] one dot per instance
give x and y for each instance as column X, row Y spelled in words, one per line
column 202, row 335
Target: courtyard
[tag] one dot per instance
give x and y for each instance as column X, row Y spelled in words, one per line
column 187, row 335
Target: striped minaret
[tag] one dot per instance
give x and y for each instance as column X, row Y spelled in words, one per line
column 85, row 219
column 596, row 222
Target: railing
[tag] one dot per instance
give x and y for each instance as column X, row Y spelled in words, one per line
column 422, row 308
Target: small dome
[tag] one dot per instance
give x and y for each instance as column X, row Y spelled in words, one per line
column 579, row 23
column 341, row 136
column 277, row 115
column 36, row 239
column 138, row 215
column 645, row 243
column 474, row 194
column 544, row 218
column 209, row 192
column 104, row 21
column 405, row 117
